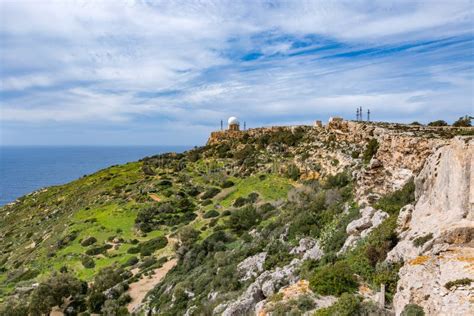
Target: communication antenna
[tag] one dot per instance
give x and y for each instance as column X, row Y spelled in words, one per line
column 360, row 113
column 368, row 115
column 357, row 114
column 222, row 125
column 245, row 125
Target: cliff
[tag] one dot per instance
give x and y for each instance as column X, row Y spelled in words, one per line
column 267, row 221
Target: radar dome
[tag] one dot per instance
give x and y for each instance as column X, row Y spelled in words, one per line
column 233, row 120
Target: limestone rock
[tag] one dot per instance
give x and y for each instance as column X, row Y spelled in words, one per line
column 360, row 228
column 444, row 210
column 251, row 266
column 265, row 285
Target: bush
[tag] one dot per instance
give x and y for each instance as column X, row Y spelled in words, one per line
column 240, row 201
column 98, row 250
column 87, row 262
column 265, row 208
column 169, row 213
column 95, row 301
column 337, row 181
column 113, row 308
column 210, row 193
column 370, row 150
column 346, row 305
column 252, row 197
column 463, row 121
column 88, row 241
column 293, row 172
column 413, row 310
column 420, row 241
column 243, row 219
column 210, row 214
column 392, row 203
column 227, row 184
column 53, row 291
column 108, row 277
column 334, row 279
column 130, row 262
column 150, row 246
column 133, row 250
column 148, row 262
column 438, row 123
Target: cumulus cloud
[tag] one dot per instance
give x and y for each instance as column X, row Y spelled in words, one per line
column 192, row 63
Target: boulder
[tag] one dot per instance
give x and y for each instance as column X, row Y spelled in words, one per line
column 251, row 266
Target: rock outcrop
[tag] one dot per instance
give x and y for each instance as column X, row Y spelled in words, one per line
column 252, row 266
column 436, row 235
column 360, row 228
column 270, row 282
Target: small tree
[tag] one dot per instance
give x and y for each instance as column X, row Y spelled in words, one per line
column 463, row 121
column 371, row 149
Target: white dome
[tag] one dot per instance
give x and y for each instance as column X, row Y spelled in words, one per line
column 233, row 121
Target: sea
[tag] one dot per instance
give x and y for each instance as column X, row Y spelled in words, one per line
column 24, row 169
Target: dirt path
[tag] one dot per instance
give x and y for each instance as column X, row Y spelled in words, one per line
column 138, row 290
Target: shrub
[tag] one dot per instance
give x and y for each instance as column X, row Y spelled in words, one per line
column 130, row 262
column 148, row 262
column 98, row 250
column 463, row 121
column 415, row 123
column 210, row 193
column 113, row 308
column 265, row 208
column 355, row 154
column 150, row 246
column 88, row 241
column 52, row 292
column 392, row 203
column 370, row 149
column 420, row 241
column 227, row 184
column 63, row 242
column 337, row 181
column 459, row 282
column 95, row 301
column 133, row 250
column 243, row 219
column 252, row 197
column 240, row 201
column 334, row 279
column 438, row 123
column 108, row 277
column 346, row 305
column 211, row 213
column 188, row 236
column 13, row 306
column 413, row 310
column 87, row 262
column 293, row 172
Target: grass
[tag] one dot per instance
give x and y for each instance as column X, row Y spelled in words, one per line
column 273, row 187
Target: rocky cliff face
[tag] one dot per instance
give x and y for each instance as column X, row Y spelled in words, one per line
column 437, row 235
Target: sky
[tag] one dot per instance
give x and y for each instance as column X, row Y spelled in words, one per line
column 166, row 72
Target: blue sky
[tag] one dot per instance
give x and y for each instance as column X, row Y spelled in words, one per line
column 166, row 72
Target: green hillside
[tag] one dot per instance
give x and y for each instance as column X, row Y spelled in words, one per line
column 79, row 247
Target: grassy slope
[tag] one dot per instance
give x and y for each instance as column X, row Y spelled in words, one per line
column 102, row 205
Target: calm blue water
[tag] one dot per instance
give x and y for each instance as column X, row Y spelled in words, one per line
column 25, row 169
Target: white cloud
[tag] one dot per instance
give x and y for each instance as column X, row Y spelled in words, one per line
column 90, row 61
